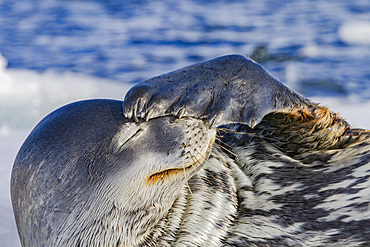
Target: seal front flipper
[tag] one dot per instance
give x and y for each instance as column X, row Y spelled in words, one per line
column 228, row 89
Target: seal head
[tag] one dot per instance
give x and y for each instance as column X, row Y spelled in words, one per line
column 87, row 176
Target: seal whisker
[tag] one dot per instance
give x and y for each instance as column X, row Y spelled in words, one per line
column 206, row 160
column 186, row 179
column 227, row 150
column 223, row 143
column 202, row 182
column 200, row 177
column 226, row 130
column 202, row 165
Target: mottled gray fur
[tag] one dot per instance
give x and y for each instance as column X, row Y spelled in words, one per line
column 287, row 172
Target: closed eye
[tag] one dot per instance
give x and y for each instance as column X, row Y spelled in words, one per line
column 123, row 140
column 136, row 134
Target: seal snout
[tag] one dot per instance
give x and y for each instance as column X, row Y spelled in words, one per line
column 193, row 143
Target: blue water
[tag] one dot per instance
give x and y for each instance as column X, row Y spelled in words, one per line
column 299, row 42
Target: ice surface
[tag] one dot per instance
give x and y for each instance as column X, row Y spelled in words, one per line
column 355, row 32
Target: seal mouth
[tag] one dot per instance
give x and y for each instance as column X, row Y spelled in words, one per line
column 174, row 172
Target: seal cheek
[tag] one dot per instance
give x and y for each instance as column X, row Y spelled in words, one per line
column 164, row 137
column 128, row 134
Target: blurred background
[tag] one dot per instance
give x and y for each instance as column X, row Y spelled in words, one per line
column 57, row 51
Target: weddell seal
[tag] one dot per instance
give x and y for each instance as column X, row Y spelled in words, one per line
column 214, row 154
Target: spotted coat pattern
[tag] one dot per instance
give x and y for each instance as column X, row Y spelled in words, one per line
column 253, row 192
